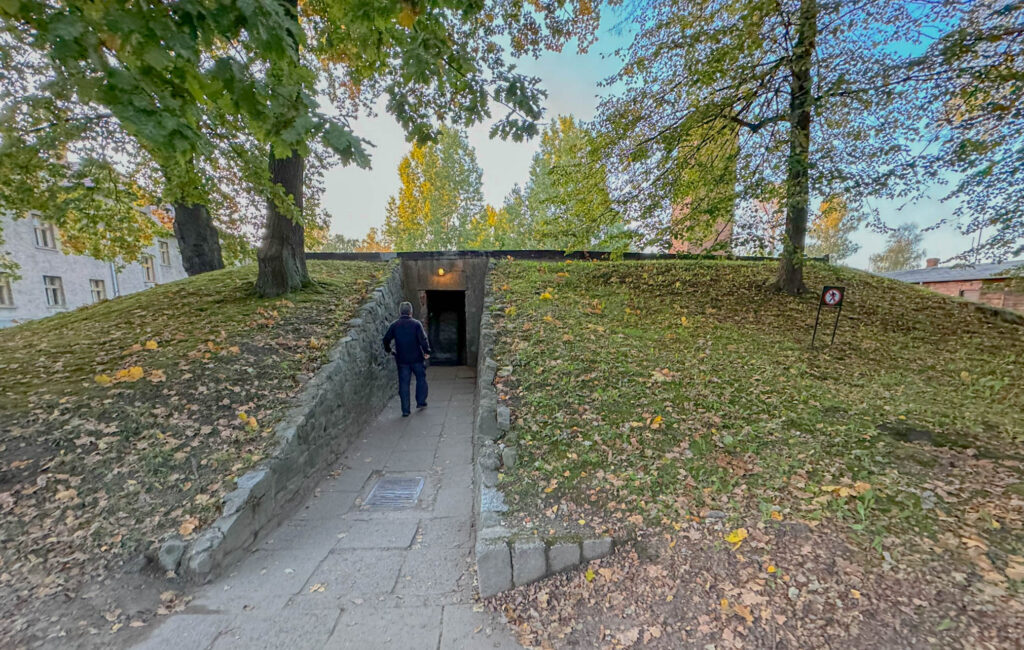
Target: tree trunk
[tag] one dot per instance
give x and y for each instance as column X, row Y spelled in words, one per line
column 801, row 103
column 282, row 255
column 198, row 241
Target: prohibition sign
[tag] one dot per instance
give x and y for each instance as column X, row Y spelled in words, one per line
column 832, row 296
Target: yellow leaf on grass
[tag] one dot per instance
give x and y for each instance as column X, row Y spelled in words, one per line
column 546, row 296
column 737, row 536
column 251, row 423
column 134, row 373
column 771, row 568
column 243, row 416
column 589, row 575
column 683, row 321
column 151, row 345
column 855, row 594
column 102, row 380
column 724, row 604
column 776, row 515
column 860, row 487
column 188, row 525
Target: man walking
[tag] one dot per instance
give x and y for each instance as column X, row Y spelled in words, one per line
column 411, row 349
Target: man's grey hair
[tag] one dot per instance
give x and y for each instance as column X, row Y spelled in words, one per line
column 405, row 309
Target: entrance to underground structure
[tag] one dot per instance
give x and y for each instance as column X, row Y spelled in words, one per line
column 446, row 327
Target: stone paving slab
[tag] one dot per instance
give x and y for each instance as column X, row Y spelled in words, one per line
column 337, row 574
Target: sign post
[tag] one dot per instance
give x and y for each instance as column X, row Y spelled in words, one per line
column 830, row 297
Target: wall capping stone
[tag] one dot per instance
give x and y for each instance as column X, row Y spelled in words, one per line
column 505, row 557
column 344, row 395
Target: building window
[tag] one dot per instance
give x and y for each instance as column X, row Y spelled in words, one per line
column 54, row 290
column 46, row 236
column 6, row 297
column 98, row 289
column 147, row 267
column 165, row 253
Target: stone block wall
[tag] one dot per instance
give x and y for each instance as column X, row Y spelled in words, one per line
column 335, row 405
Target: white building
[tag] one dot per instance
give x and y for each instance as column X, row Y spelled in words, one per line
column 53, row 281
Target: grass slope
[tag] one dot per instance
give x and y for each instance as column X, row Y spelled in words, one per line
column 98, row 461
column 648, row 396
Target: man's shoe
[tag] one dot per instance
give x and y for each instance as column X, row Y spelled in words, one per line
column 421, row 406
column 405, row 415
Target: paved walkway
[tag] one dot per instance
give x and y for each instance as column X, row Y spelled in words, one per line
column 338, row 574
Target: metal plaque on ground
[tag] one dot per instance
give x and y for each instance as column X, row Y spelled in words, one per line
column 395, row 493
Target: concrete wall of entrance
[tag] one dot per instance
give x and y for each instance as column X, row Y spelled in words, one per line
column 448, row 273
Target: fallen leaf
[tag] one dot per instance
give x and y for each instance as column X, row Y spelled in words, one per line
column 151, row 345
column 736, row 537
column 188, row 525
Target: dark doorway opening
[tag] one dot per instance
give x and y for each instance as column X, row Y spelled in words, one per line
column 446, row 327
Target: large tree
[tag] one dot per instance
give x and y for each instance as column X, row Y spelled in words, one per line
column 567, row 202
column 817, row 88
column 440, row 194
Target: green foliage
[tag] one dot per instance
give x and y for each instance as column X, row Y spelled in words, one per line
column 205, row 88
column 441, row 194
column 903, row 250
column 567, row 204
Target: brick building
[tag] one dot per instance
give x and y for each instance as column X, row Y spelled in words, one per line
column 53, row 281
column 987, row 283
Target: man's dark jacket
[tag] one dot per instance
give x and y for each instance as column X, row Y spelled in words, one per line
column 410, row 341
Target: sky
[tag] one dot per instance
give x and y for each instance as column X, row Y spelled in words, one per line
column 355, row 198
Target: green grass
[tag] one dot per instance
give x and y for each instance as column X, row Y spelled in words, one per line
column 644, row 419
column 96, row 471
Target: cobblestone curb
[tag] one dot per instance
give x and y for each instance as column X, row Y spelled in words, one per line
column 507, row 558
column 340, row 399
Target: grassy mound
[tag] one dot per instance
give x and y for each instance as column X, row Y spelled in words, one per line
column 650, row 396
column 123, row 421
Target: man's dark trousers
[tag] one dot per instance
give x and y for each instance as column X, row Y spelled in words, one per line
column 405, row 371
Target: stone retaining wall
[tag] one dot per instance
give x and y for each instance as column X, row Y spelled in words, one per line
column 505, row 557
column 333, row 407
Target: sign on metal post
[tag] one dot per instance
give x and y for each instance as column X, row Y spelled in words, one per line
column 830, row 297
